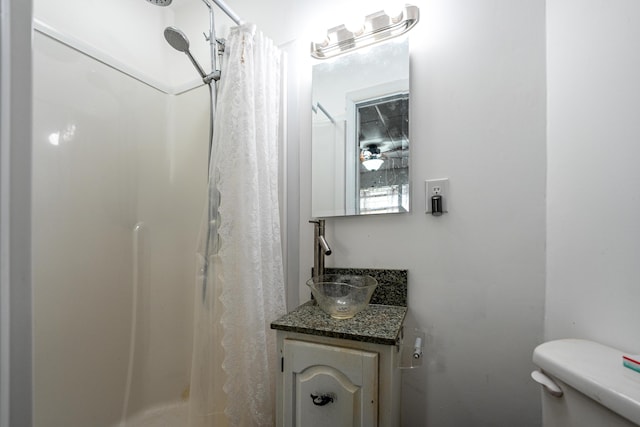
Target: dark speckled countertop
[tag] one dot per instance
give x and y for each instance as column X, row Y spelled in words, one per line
column 379, row 323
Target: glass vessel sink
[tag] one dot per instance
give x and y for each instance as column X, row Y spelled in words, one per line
column 342, row 296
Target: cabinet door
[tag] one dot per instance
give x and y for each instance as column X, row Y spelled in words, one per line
column 329, row 386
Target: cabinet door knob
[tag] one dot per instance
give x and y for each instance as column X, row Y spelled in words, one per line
column 322, row 399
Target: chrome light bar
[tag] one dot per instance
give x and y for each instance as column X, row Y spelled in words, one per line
column 377, row 27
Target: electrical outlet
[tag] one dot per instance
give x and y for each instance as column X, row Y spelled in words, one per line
column 437, row 187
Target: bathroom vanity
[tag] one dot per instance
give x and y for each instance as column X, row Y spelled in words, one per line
column 342, row 372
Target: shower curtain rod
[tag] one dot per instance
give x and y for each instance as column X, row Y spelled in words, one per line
column 230, row 13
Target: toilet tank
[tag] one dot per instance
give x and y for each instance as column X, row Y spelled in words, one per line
column 595, row 389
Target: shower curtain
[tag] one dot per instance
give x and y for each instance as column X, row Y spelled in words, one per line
column 240, row 286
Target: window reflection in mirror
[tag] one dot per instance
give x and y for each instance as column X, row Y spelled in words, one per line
column 360, row 136
column 383, row 143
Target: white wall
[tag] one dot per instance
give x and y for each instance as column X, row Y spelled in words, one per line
column 476, row 275
column 593, row 195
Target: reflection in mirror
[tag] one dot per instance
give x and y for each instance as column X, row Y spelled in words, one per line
column 360, row 136
column 383, row 129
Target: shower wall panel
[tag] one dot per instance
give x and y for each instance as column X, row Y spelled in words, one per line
column 119, row 175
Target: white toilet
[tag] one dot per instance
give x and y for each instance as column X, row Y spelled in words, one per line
column 585, row 384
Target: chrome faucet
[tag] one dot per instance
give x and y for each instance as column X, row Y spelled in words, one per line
column 320, row 247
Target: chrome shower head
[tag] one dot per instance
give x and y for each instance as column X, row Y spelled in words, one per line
column 160, row 2
column 177, row 39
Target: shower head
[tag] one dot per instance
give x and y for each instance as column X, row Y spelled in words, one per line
column 179, row 41
column 160, row 2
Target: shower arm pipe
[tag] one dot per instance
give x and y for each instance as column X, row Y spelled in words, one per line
column 195, row 64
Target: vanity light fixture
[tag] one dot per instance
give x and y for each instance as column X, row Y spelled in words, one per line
column 371, row 158
column 377, row 27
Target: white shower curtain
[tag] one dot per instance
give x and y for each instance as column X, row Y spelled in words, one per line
column 241, row 286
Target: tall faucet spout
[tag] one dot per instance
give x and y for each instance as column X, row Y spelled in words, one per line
column 324, row 245
column 320, row 247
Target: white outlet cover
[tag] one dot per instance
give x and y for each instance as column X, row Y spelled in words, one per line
column 431, row 186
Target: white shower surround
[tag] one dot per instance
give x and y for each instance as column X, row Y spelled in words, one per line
column 127, row 35
column 167, row 415
column 126, row 154
column 88, row 71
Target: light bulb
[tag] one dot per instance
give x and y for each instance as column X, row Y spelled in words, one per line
column 320, row 38
column 394, row 11
column 355, row 24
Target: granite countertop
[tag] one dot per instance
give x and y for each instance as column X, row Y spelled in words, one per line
column 379, row 324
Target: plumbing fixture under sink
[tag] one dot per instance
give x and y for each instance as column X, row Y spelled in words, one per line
column 342, row 296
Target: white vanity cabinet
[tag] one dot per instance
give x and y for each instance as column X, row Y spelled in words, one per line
column 325, row 381
column 343, row 373
column 328, row 385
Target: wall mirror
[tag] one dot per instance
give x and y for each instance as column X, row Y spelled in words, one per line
column 360, row 132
